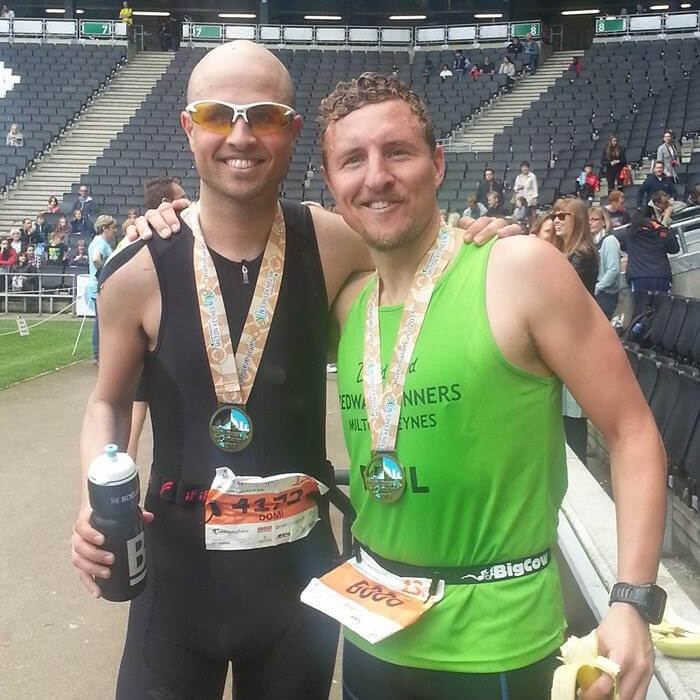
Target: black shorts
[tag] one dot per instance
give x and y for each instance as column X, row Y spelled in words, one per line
column 367, row 678
column 202, row 610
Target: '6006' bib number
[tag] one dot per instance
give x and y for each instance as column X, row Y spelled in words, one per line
column 254, row 512
column 369, row 600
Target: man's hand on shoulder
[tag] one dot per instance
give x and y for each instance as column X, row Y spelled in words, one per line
column 162, row 220
column 483, row 229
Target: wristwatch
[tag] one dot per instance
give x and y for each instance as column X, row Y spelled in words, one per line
column 648, row 598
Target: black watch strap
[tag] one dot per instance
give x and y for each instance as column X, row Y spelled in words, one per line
column 649, row 599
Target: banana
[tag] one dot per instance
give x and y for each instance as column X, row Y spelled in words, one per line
column 674, row 636
column 582, row 667
column 678, row 647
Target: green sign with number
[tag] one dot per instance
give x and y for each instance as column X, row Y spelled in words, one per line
column 525, row 28
column 610, row 25
column 207, row 31
column 95, row 28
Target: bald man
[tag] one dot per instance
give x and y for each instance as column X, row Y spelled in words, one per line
column 264, row 274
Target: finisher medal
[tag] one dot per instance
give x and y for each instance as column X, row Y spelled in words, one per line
column 384, row 477
column 233, row 374
column 231, row 428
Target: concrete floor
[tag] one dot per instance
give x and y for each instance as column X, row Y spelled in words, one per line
column 56, row 641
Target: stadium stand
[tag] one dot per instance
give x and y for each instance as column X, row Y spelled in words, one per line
column 666, row 363
column 153, row 143
column 634, row 89
column 44, row 102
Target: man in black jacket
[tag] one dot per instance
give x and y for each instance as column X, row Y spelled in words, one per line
column 488, row 184
column 655, row 181
column 648, row 245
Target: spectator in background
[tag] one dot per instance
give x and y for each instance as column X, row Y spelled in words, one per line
column 521, row 212
column 495, row 205
column 26, row 231
column 460, row 63
column 14, row 137
column 515, row 47
column 63, row 228
column 79, row 256
column 52, row 207
column 130, row 219
column 507, row 68
column 616, row 209
column 7, row 13
column 474, row 210
column 525, row 185
column 531, row 52
column 668, row 153
column 40, row 230
column 8, row 255
column 175, row 31
column 33, row 258
column 656, row 180
column 98, row 251
column 612, row 162
column 587, row 183
column 20, row 271
column 486, row 66
column 608, row 282
column 16, row 242
column 428, row 68
column 161, row 189
column 56, row 250
column 85, row 203
column 648, row 245
column 665, row 208
column 543, row 227
column 488, row 184
column 81, row 226
column 693, row 197
column 445, row 73
column 165, row 36
column 576, row 66
column 126, row 15
column 570, row 218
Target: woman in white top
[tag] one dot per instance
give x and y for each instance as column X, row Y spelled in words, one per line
column 507, row 68
column 669, row 154
column 14, row 137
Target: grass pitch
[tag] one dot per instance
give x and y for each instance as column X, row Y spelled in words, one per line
column 47, row 347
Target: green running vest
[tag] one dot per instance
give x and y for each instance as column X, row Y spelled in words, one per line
column 483, row 445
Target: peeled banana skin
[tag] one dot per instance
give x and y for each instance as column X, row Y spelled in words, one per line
column 582, row 666
column 676, row 637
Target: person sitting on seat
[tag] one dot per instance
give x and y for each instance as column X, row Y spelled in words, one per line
column 496, row 207
column 21, row 282
column 507, row 68
column 693, row 198
column 486, row 66
column 665, row 208
column 616, row 209
column 445, row 73
column 56, row 250
column 8, row 255
column 81, row 225
column 588, row 183
column 79, row 257
column 14, row 137
column 475, row 209
column 40, row 230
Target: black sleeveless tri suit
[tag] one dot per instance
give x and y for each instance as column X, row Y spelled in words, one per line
column 203, row 609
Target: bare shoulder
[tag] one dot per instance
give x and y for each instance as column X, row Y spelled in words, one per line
column 347, row 296
column 130, row 296
column 527, row 260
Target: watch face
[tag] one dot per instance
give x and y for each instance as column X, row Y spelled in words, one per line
column 656, row 603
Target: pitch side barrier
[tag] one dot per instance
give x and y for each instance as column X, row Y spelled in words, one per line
column 647, row 26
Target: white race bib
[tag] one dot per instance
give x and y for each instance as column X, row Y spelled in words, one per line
column 370, row 600
column 250, row 512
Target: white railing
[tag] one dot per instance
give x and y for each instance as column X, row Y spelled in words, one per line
column 656, row 25
column 97, row 29
column 39, row 286
column 312, row 35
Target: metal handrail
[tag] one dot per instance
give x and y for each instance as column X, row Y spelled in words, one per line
column 84, row 29
column 623, row 25
column 68, row 284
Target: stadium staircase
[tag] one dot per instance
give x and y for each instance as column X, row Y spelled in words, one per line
column 479, row 135
column 85, row 141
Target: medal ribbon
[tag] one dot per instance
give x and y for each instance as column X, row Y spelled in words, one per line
column 234, row 375
column 384, row 404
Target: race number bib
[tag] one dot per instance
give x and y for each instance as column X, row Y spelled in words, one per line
column 250, row 512
column 369, row 600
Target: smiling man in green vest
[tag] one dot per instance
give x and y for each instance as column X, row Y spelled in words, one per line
column 450, row 366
